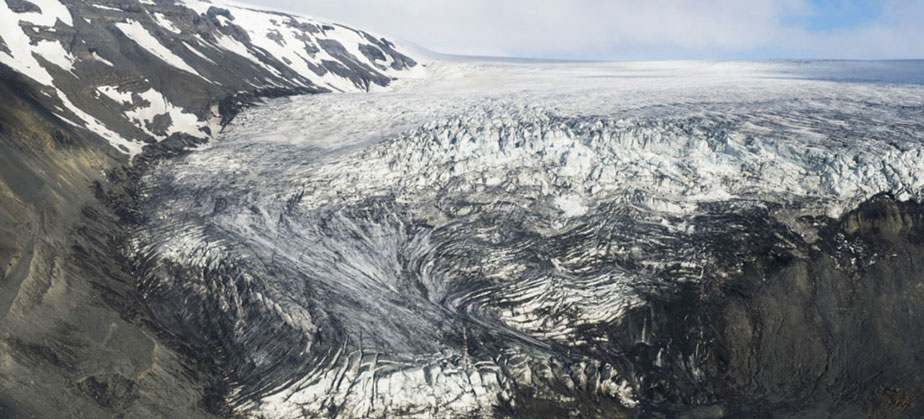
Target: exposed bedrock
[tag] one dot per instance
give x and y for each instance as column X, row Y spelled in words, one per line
column 825, row 329
column 75, row 339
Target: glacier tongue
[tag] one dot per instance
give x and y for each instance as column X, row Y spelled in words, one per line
column 454, row 247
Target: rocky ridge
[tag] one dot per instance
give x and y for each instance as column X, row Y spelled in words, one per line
column 135, row 73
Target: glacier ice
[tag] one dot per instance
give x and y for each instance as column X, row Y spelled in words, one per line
column 442, row 247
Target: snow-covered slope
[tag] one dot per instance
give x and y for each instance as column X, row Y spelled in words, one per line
column 504, row 236
column 137, row 72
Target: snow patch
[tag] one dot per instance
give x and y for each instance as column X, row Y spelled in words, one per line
column 136, row 32
column 113, row 93
column 55, row 53
column 20, row 56
column 197, row 53
column 100, row 6
column 97, row 57
column 166, row 23
column 52, row 12
column 151, row 104
column 94, row 125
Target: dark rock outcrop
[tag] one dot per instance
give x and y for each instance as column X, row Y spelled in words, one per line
column 74, row 338
column 824, row 329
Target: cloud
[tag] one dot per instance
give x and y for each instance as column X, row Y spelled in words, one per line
column 621, row 29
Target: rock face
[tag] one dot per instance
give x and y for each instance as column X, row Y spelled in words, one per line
column 73, row 334
column 820, row 329
column 84, row 87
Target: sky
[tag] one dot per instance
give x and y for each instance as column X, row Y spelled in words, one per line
column 637, row 30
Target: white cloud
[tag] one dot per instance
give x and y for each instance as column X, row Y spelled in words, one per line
column 621, row 29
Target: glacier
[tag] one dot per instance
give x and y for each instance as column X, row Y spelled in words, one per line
column 192, row 229
column 497, row 236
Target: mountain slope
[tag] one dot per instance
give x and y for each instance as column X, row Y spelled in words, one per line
column 138, row 72
column 84, row 87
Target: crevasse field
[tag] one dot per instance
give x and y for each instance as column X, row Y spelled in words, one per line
column 494, row 228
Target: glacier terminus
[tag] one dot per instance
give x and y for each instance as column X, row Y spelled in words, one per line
column 502, row 237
